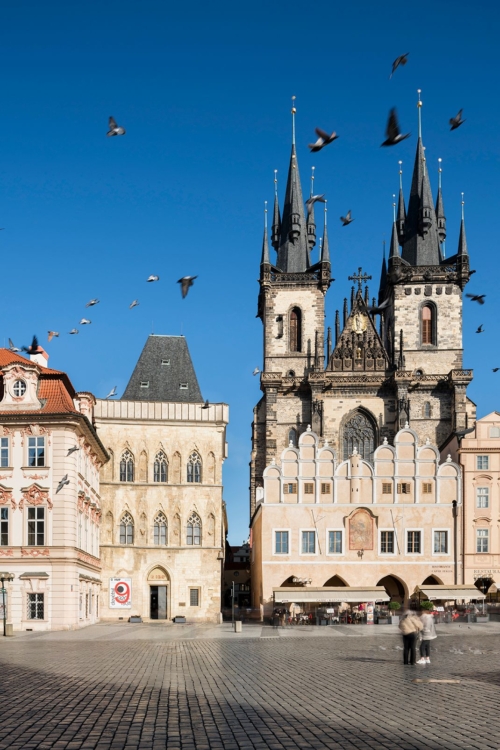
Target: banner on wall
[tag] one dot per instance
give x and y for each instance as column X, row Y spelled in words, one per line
column 120, row 593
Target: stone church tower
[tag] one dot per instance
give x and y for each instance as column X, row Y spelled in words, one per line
column 376, row 375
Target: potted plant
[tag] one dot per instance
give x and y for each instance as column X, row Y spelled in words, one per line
column 394, row 607
column 427, row 605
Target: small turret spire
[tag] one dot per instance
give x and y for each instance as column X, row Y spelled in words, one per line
column 440, row 217
column 311, row 222
column 401, row 213
column 265, row 244
column 325, row 252
column 276, row 228
column 383, row 276
column 462, row 240
column 394, row 249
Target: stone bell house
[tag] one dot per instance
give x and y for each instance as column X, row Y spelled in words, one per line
column 164, row 521
column 49, row 537
column 381, row 363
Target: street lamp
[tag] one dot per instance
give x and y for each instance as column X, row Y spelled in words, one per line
column 5, row 577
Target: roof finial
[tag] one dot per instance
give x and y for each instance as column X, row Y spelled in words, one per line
column 400, row 174
column 276, row 183
column 265, row 215
column 440, row 169
column 293, row 119
column 393, row 207
column 326, row 211
column 419, row 105
column 312, row 180
column 463, row 204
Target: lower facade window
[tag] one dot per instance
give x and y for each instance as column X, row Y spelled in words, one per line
column 35, row 606
column 308, row 542
column 194, row 597
column 290, row 488
column 483, row 497
column 482, row 538
column 334, row 542
column 387, row 542
column 4, row 452
column 281, row 542
column 440, row 542
column 160, row 529
column 413, row 542
column 4, row 527
column 36, row 527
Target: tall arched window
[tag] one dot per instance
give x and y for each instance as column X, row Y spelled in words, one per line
column 160, row 529
column 127, row 467
column 295, row 330
column 359, row 432
column 194, row 468
column 292, row 437
column 160, row 468
column 126, row 529
column 427, row 410
column 193, row 536
column 428, row 314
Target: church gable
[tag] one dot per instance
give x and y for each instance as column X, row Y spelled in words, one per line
column 359, row 347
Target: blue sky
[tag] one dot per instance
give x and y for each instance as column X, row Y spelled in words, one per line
column 204, row 93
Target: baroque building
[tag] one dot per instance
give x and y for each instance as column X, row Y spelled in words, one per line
column 164, row 520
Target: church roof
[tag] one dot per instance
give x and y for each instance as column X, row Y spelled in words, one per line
column 421, row 241
column 164, row 372
column 293, row 253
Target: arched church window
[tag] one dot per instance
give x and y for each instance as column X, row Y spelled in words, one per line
column 160, row 467
column 427, row 410
column 292, row 437
column 126, row 529
column 193, row 536
column 194, row 468
column 295, row 330
column 127, row 467
column 428, row 324
column 160, row 529
column 359, row 433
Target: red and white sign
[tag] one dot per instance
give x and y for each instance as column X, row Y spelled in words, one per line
column 120, row 593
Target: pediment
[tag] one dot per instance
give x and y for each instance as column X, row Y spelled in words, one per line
column 359, row 347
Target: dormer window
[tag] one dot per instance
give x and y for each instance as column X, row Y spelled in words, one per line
column 165, row 361
column 19, row 388
column 144, row 383
column 183, row 386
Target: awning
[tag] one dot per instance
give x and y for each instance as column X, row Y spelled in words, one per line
column 449, row 593
column 333, row 594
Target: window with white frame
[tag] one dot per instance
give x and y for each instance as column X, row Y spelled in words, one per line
column 387, row 542
column 4, row 527
column 281, row 542
column 19, row 388
column 36, row 451
column 482, row 539
column 440, row 543
column 160, row 529
column 335, row 542
column 36, row 527
column 35, row 606
column 4, row 452
column 482, row 497
column 80, row 525
column 414, row 542
column 308, row 543
column 482, row 462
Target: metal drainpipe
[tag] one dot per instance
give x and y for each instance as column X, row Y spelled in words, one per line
column 455, row 551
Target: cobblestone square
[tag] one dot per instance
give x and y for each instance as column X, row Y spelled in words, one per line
column 199, row 688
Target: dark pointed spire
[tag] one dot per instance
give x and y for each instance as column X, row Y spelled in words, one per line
column 401, row 212
column 325, row 250
column 337, row 327
column 441, row 218
column 276, row 228
column 383, row 278
column 265, row 244
column 346, row 312
column 394, row 251
column 329, row 342
column 311, row 223
column 462, row 240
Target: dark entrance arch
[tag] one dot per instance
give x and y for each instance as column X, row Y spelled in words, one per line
column 394, row 588
column 432, row 581
column 335, row 581
column 292, row 581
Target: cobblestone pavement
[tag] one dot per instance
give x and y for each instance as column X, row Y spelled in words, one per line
column 108, row 687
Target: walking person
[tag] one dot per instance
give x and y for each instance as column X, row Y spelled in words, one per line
column 428, row 635
column 410, row 626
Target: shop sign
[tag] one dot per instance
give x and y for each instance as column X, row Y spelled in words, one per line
column 120, row 593
column 486, row 573
column 369, row 612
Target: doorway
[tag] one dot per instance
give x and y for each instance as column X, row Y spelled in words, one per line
column 158, row 602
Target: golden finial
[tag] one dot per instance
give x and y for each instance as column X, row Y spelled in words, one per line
column 419, row 105
column 294, row 110
column 276, row 182
column 312, row 180
column 463, row 204
column 400, row 174
column 394, row 207
column 440, row 169
column 265, row 215
column 326, row 213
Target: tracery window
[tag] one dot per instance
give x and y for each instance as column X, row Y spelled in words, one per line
column 193, row 536
column 295, row 330
column 427, row 410
column 194, row 468
column 160, row 529
column 428, row 325
column 127, row 529
column 127, row 467
column 160, row 467
column 359, row 433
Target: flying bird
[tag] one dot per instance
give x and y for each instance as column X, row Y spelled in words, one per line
column 12, row 347
column 32, row 348
column 256, row 371
column 133, row 304
column 346, row 219
column 456, row 121
column 63, row 482
column 477, row 298
column 111, row 393
column 115, row 129
column 496, row 369
column 153, row 278
column 206, row 405
column 312, row 200
column 480, row 329
column 462, row 433
column 92, row 303
column 52, row 334
column 72, row 450
column 185, row 283
column 85, row 322
column 401, row 60
column 393, row 132
column 379, row 309
column 324, row 139
column 73, row 331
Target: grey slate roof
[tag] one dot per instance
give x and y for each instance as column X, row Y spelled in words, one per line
column 164, row 380
column 293, row 251
column 421, row 242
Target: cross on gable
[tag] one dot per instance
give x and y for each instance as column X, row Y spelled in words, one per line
column 360, row 278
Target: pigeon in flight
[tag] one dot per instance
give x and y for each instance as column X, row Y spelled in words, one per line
column 256, row 371
column 72, row 450
column 480, row 329
column 62, row 483
column 401, row 60
column 456, row 121
column 496, row 369
column 85, row 322
column 346, row 219
column 12, row 347
column 324, row 139
column 153, row 278
column 206, row 405
column 379, row 309
column 393, row 132
column 462, row 433
column 477, row 298
column 133, row 304
column 111, row 393
column 185, row 283
column 115, row 129
column 32, row 348
column 312, row 200
column 92, row 303
column 73, row 331
column 52, row 334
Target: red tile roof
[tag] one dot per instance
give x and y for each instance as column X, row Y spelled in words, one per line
column 55, row 390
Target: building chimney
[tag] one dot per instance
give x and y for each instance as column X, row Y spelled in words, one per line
column 40, row 357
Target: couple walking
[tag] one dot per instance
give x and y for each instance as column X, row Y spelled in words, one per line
column 410, row 626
